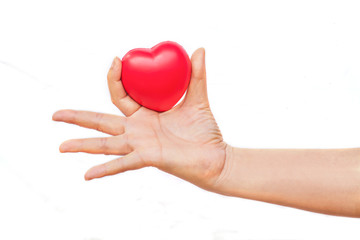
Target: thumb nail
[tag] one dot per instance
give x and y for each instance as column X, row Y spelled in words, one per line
column 115, row 63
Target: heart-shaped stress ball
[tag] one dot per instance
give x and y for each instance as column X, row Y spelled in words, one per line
column 156, row 77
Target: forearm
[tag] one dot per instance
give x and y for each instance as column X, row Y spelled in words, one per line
column 319, row 180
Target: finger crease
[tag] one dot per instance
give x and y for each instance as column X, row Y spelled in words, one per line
column 103, row 144
column 99, row 119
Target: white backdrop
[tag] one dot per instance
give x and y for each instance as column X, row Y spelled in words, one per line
column 281, row 74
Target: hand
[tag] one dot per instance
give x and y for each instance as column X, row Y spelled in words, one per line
column 184, row 141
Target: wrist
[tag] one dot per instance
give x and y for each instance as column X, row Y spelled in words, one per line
column 222, row 184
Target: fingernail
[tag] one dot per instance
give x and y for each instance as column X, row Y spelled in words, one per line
column 63, row 147
column 115, row 63
column 95, row 172
column 63, row 115
column 56, row 116
column 202, row 52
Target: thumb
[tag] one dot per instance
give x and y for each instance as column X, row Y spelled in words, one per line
column 197, row 91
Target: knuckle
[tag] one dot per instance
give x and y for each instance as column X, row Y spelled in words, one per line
column 74, row 116
column 98, row 121
column 131, row 141
column 104, row 144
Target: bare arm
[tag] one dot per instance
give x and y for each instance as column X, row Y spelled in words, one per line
column 319, row 180
column 186, row 142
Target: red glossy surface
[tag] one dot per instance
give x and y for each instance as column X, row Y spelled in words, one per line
column 156, row 77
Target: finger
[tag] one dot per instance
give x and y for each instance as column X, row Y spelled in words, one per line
column 131, row 161
column 113, row 145
column 105, row 123
column 197, row 90
column 118, row 94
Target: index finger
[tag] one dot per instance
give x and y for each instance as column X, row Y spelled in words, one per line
column 106, row 123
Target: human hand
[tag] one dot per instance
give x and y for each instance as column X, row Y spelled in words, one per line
column 184, row 141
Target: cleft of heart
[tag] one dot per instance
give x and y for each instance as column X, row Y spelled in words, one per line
column 156, row 77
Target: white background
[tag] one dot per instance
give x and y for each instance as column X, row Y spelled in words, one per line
column 281, row 74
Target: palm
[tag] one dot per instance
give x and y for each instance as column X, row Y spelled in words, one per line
column 184, row 141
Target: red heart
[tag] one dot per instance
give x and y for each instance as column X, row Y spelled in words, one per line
column 156, row 78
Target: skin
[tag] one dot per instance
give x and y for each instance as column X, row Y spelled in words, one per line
column 186, row 142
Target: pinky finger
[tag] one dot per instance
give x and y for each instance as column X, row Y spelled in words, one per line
column 132, row 161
